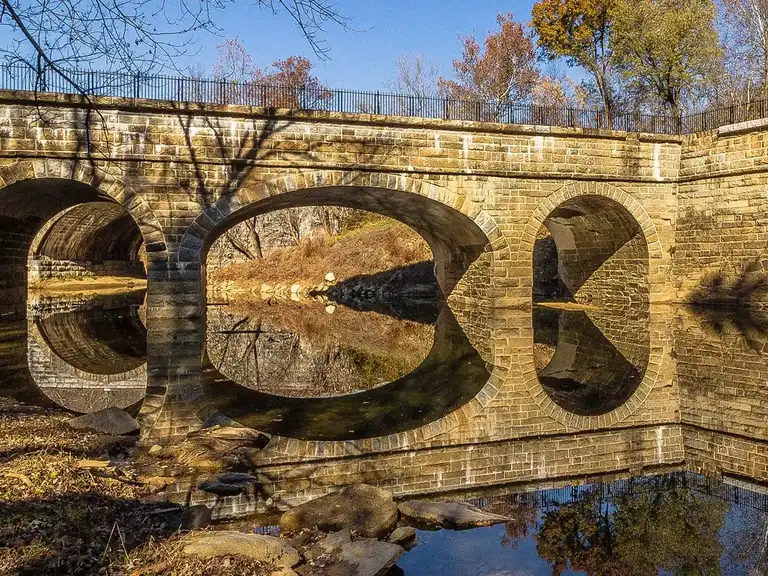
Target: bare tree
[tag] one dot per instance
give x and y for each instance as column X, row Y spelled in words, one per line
column 416, row 76
column 744, row 27
column 128, row 36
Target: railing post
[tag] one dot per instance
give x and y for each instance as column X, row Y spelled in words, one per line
column 377, row 106
column 136, row 85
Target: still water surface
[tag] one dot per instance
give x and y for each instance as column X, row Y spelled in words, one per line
column 618, row 443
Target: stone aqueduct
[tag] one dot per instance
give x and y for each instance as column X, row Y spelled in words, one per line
column 634, row 216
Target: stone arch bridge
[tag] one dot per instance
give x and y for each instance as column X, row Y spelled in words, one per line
column 628, row 217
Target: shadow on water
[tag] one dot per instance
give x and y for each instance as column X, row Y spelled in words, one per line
column 449, row 377
column 581, row 369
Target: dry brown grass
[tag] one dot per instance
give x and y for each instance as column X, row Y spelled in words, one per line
column 58, row 518
column 375, row 247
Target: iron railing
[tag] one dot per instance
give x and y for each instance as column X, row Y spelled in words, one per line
column 315, row 98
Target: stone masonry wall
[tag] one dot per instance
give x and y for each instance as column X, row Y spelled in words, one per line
column 167, row 163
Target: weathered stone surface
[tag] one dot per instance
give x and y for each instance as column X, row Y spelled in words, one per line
column 218, row 447
column 365, row 510
column 449, row 514
column 266, row 549
column 112, row 421
column 402, row 534
column 222, row 489
column 328, row 545
column 364, row 557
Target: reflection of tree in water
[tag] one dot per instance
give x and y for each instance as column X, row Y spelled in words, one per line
column 294, row 350
column 636, row 529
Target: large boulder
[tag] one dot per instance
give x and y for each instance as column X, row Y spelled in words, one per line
column 112, row 421
column 365, row 510
column 455, row 515
column 266, row 549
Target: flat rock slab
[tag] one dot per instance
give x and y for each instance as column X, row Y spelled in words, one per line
column 112, row 421
column 222, row 489
column 365, row 510
column 401, row 535
column 328, row 545
column 239, row 436
column 364, row 557
column 266, row 549
column 454, row 515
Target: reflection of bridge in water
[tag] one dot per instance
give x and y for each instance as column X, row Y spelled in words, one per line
column 656, row 390
column 81, row 354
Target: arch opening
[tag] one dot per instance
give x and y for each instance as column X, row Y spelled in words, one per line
column 25, row 208
column 592, row 250
column 95, row 239
column 455, row 240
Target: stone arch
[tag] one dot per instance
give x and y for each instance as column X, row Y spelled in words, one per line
column 607, row 215
column 97, row 237
column 649, row 361
column 307, row 188
column 33, row 191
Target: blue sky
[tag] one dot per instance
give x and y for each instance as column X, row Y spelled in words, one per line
column 364, row 58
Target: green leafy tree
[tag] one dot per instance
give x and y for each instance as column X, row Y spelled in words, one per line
column 580, row 32
column 667, row 49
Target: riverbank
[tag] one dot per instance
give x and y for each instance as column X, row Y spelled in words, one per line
column 321, row 260
column 86, row 285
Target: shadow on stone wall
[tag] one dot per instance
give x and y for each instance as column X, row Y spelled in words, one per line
column 745, row 288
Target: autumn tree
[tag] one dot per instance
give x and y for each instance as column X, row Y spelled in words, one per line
column 667, row 49
column 580, row 32
column 287, row 83
column 128, row 36
column 503, row 70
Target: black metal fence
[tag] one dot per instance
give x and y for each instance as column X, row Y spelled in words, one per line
column 315, row 98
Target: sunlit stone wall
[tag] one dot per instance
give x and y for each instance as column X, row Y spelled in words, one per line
column 183, row 172
column 722, row 220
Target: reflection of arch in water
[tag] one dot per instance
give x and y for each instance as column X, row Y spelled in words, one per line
column 89, row 359
column 592, row 367
column 452, row 375
column 299, row 350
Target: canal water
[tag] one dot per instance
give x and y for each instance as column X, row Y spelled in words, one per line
column 617, row 442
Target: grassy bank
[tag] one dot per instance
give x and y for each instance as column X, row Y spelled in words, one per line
column 374, row 247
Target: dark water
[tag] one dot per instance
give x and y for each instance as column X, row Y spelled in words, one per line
column 618, row 443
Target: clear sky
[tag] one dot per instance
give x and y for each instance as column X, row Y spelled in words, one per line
column 363, row 58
